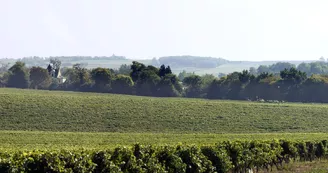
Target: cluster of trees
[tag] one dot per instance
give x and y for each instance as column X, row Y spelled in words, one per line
column 318, row 67
column 290, row 84
column 137, row 79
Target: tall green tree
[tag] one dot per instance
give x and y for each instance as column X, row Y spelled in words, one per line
column 136, row 70
column 245, row 76
column 234, row 84
column 291, row 83
column 122, row 84
column 193, row 86
column 81, row 78
column 206, row 79
column 82, row 74
column 162, row 71
column 102, row 78
column 169, row 86
column 19, row 77
column 168, row 70
column 147, row 83
column 39, row 78
column 293, row 75
column 216, row 89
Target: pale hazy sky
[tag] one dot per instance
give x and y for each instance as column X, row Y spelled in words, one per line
column 232, row 29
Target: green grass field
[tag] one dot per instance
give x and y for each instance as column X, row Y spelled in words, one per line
column 53, row 120
column 91, row 112
column 32, row 119
column 27, row 140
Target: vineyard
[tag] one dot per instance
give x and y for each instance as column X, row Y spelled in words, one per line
column 30, row 140
column 223, row 157
column 50, row 131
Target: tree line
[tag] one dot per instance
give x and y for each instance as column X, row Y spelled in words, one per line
column 318, row 67
column 290, row 84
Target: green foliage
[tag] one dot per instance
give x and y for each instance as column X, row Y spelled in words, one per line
column 169, row 86
column 293, row 75
column 207, row 80
column 313, row 68
column 289, row 85
column 319, row 67
column 40, row 78
column 122, row 84
column 136, row 68
column 275, row 68
column 147, row 81
column 263, row 69
column 193, row 85
column 41, row 140
column 237, row 156
column 184, row 74
column 151, row 81
column 19, row 77
column 215, row 90
column 245, row 76
column 102, row 78
column 161, row 72
column 82, row 74
column 4, row 79
column 168, row 70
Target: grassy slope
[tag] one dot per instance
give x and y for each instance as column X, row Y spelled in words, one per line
column 23, row 140
column 89, row 112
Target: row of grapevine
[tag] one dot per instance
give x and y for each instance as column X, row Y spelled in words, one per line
column 236, row 156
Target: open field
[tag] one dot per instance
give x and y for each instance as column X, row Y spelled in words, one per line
column 29, row 140
column 85, row 123
column 90, row 112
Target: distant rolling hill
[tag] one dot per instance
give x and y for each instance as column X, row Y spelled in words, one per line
column 197, row 64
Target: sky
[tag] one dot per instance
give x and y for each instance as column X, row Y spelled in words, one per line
column 252, row 30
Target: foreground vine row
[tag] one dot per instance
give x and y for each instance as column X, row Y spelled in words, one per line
column 237, row 156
